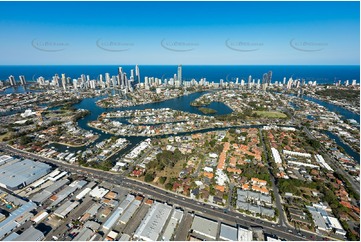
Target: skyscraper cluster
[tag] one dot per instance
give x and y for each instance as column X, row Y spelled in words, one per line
column 12, row 80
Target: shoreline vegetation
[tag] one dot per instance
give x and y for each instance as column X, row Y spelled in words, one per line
column 205, row 110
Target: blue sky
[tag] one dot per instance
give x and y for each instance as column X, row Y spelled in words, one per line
column 61, row 33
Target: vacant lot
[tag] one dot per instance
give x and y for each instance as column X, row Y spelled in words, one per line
column 271, row 114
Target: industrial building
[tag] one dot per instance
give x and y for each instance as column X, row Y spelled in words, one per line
column 17, row 174
column 60, row 196
column 40, row 216
column 115, row 216
column 5, row 158
column 87, row 232
column 127, row 215
column 324, row 221
column 205, row 227
column 228, row 233
column 30, row 234
column 124, row 237
column 42, row 196
column 244, row 234
column 65, row 209
column 16, row 219
column 175, row 219
column 153, row 223
column 98, row 192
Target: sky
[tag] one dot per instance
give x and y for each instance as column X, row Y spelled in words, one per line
column 189, row 33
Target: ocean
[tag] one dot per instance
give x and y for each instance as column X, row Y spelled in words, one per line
column 321, row 73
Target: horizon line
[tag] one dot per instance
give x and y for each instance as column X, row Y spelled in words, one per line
column 180, row 64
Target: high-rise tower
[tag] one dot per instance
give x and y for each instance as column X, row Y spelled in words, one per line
column 180, row 74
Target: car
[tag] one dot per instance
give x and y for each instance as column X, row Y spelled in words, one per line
column 273, row 225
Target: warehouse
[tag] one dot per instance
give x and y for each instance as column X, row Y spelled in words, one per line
column 18, row 174
column 153, row 223
column 31, row 234
column 5, row 158
column 244, row 234
column 228, row 233
column 13, row 221
column 88, row 230
column 175, row 219
column 83, row 193
column 124, row 237
column 65, row 209
column 67, row 191
column 205, row 227
column 40, row 216
column 98, row 192
column 60, row 196
column 127, row 215
column 40, row 197
column 115, row 216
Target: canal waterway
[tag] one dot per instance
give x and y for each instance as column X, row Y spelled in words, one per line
column 182, row 104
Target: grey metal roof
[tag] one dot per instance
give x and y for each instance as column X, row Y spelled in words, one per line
column 11, row 237
column 84, row 234
column 205, row 227
column 63, row 194
column 270, row 212
column 318, row 220
column 228, row 233
column 124, row 237
column 5, row 158
column 66, row 208
column 9, row 223
column 126, row 216
column 172, row 224
column 265, row 198
column 92, row 225
column 242, row 205
column 93, row 210
column 153, row 222
column 40, row 197
column 13, row 174
column 116, row 214
column 31, row 234
column 254, row 209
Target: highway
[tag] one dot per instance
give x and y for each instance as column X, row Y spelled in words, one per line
column 156, row 193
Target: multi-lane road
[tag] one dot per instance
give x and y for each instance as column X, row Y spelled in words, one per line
column 280, row 230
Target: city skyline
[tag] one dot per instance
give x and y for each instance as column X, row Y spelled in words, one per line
column 231, row 33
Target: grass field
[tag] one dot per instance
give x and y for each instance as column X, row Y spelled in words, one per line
column 7, row 135
column 271, row 114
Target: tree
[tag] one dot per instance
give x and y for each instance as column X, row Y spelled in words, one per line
column 149, row 177
column 168, row 186
column 25, row 140
column 162, row 179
